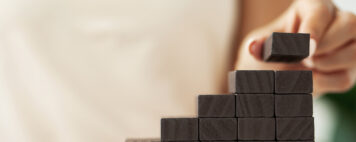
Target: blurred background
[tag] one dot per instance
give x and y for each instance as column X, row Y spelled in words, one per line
column 59, row 65
column 341, row 108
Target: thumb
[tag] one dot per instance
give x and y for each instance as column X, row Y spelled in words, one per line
column 255, row 42
column 255, row 47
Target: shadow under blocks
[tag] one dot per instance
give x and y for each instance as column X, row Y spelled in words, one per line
column 262, row 105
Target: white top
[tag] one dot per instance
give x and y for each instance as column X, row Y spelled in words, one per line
column 105, row 70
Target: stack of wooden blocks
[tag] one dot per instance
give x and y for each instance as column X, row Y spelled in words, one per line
column 264, row 105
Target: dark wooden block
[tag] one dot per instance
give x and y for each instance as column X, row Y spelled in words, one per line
column 256, row 129
column 299, row 128
column 178, row 141
column 248, row 81
column 179, row 129
column 254, row 105
column 288, row 82
column 286, row 47
column 218, row 141
column 256, row 141
column 241, row 141
column 216, row 105
column 294, row 105
column 295, row 141
column 217, row 129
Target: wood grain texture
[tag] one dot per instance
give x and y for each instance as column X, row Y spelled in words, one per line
column 294, row 105
column 286, row 47
column 218, row 141
column 179, row 129
column 251, row 81
column 216, row 105
column 254, row 105
column 217, row 129
column 256, row 141
column 288, row 82
column 295, row 141
column 256, row 129
column 299, row 128
column 181, row 141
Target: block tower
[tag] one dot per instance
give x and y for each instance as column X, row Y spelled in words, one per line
column 263, row 105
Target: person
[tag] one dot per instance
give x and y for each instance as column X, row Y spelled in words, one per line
column 332, row 43
column 107, row 70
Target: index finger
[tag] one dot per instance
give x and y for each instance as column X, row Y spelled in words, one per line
column 317, row 21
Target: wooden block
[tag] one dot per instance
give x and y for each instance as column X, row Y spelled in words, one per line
column 217, row 129
column 288, row 82
column 256, row 141
column 249, row 81
column 299, row 128
column 294, row 105
column 216, row 105
column 218, row 141
column 179, row 129
column 178, row 141
column 254, row 105
column 295, row 141
column 256, row 129
column 286, row 47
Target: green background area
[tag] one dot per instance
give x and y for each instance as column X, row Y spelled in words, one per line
column 345, row 104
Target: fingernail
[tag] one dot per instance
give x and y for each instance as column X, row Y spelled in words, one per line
column 312, row 47
column 253, row 47
column 308, row 62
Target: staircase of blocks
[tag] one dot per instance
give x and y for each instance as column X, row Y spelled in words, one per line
column 262, row 105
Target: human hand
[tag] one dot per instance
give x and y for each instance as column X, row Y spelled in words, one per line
column 333, row 44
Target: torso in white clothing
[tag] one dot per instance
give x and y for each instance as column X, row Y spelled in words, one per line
column 95, row 71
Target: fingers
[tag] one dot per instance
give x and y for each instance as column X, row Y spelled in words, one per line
column 332, row 82
column 340, row 60
column 256, row 40
column 352, row 73
column 342, row 30
column 317, row 21
column 329, row 30
column 285, row 23
column 308, row 62
column 297, row 19
column 255, row 48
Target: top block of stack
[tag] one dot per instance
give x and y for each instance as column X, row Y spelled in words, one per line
column 286, row 47
column 251, row 81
